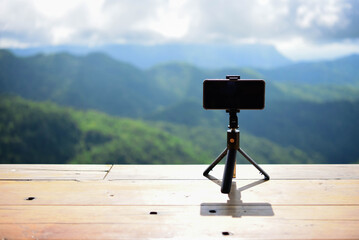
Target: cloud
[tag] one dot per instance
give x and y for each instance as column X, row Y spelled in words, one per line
column 96, row 22
column 314, row 20
column 300, row 49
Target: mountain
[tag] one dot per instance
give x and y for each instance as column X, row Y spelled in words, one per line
column 204, row 56
column 94, row 81
column 339, row 71
column 182, row 80
column 87, row 81
column 327, row 132
column 328, row 128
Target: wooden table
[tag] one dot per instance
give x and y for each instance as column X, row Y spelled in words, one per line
column 176, row 201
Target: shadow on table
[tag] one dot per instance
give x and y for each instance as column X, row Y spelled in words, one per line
column 235, row 207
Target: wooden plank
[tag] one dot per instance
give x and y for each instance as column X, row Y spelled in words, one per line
column 244, row 171
column 172, row 214
column 52, row 175
column 213, row 229
column 64, row 167
column 283, row 222
column 53, row 172
column 179, row 192
column 121, row 172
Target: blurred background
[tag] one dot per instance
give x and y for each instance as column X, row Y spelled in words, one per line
column 105, row 81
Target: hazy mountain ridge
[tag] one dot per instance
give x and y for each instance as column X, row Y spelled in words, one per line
column 94, row 81
column 343, row 70
column 185, row 80
column 177, row 80
column 204, row 56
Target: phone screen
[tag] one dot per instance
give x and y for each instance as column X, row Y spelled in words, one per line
column 233, row 94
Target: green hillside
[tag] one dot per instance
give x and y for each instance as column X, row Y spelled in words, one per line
column 45, row 133
column 32, row 132
column 212, row 140
column 36, row 133
column 328, row 130
column 318, row 93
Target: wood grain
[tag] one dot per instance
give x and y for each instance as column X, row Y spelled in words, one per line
column 178, row 192
column 172, row 214
column 58, row 167
column 244, row 171
column 53, row 172
column 239, row 229
column 116, row 202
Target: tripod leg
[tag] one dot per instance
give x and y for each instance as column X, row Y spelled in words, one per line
column 266, row 176
column 228, row 171
column 215, row 162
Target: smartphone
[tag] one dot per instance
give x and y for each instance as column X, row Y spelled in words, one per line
column 233, row 94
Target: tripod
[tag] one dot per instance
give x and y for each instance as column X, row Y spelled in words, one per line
column 230, row 151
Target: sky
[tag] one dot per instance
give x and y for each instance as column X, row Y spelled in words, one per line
column 299, row 29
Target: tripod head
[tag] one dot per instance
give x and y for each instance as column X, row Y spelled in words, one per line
column 233, row 119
